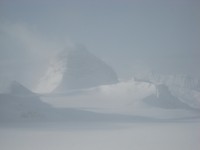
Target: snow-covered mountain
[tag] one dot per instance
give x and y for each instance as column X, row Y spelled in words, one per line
column 128, row 97
column 76, row 68
column 183, row 87
column 165, row 99
column 87, row 89
column 14, row 88
column 84, row 70
column 180, row 81
column 19, row 104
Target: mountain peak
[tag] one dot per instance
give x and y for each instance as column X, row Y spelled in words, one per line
column 85, row 70
column 15, row 88
column 165, row 99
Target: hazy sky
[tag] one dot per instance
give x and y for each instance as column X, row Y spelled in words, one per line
column 130, row 35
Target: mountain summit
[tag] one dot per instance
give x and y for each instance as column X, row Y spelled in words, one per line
column 165, row 99
column 84, row 70
column 15, row 88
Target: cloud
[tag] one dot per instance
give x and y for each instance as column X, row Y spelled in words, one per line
column 31, row 39
column 51, row 78
column 25, row 53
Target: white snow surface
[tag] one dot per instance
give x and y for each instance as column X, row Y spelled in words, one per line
column 139, row 136
column 30, row 128
column 124, row 98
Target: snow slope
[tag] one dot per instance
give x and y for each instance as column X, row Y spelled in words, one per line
column 125, row 122
column 128, row 98
column 183, row 87
column 76, row 68
column 165, row 99
column 21, row 105
column 14, row 88
column 17, row 103
column 84, row 70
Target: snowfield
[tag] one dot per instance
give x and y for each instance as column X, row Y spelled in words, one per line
column 103, row 114
column 109, row 117
column 139, row 136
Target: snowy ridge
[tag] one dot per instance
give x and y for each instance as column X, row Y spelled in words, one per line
column 14, row 88
column 180, row 81
column 116, row 102
column 18, row 106
column 165, row 99
column 126, row 98
column 83, row 87
column 183, row 87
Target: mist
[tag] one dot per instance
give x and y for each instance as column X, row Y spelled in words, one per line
column 106, row 74
column 156, row 36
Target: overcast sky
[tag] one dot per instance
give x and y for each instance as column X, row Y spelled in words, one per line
column 131, row 35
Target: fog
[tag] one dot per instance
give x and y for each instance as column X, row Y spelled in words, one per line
column 106, row 74
column 131, row 36
column 140, row 136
